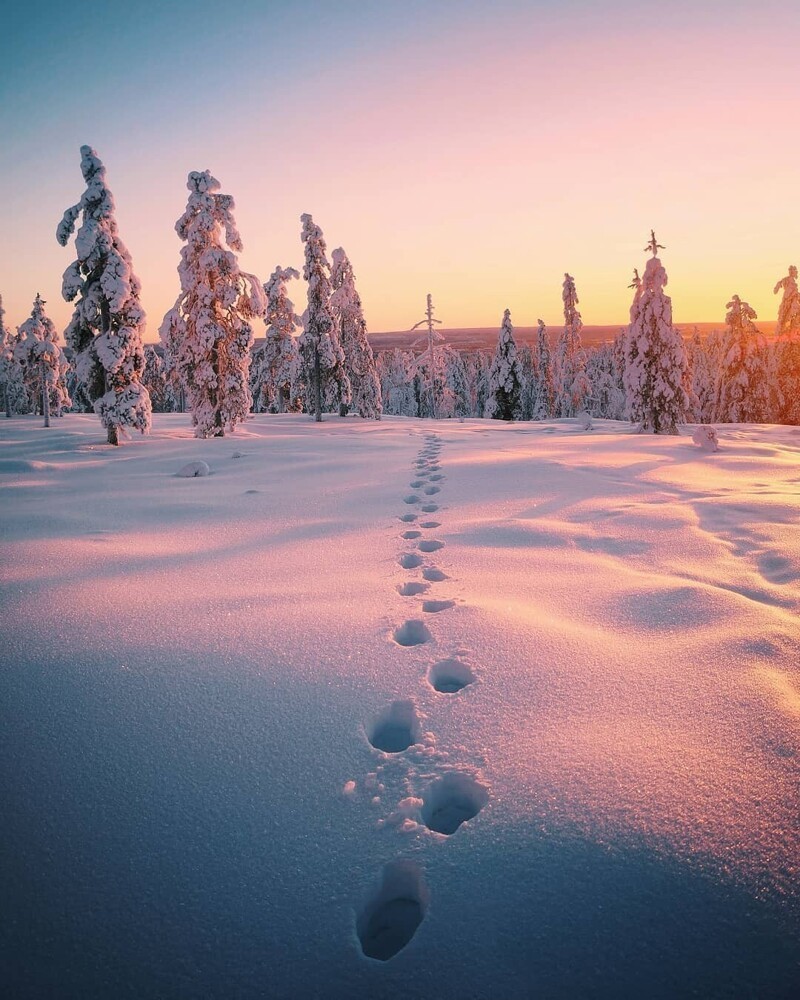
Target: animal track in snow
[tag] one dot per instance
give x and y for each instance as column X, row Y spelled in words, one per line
column 411, row 534
column 390, row 919
column 434, row 575
column 450, row 676
column 433, row 607
column 430, row 545
column 412, row 588
column 430, row 508
column 396, row 728
column 410, row 560
column 413, row 498
column 416, row 484
column 408, row 518
column 437, row 477
column 452, row 800
column 429, row 491
column 430, row 524
column 412, row 633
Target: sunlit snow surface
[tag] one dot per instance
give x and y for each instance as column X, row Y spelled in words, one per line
column 588, row 696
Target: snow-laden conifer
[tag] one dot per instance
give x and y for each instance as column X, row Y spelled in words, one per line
column 745, row 389
column 606, row 398
column 655, row 360
column 505, row 377
column 542, row 403
column 40, row 357
column 788, row 347
column 322, row 356
column 459, row 379
column 352, row 329
column 397, row 383
column 15, row 395
column 207, row 334
column 570, row 385
column 276, row 364
column 108, row 322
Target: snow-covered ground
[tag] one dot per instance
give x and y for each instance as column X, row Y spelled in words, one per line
column 195, row 671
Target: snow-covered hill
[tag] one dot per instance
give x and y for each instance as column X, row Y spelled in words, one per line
column 525, row 697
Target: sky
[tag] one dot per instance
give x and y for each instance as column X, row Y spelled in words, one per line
column 473, row 150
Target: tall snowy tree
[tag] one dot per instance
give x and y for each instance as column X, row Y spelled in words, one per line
column 397, row 383
column 570, row 385
column 542, row 402
column 788, row 347
column 352, row 329
column 745, row 390
column 154, row 378
column 655, row 358
column 208, row 331
column 40, row 357
column 276, row 364
column 322, row 355
column 505, row 379
column 108, row 322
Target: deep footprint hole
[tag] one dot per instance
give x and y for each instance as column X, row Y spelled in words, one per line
column 430, row 545
column 434, row 607
column 390, row 919
column 430, row 524
column 396, row 728
column 412, row 589
column 410, row 560
column 408, row 518
column 450, row 676
column 430, row 508
column 434, row 575
column 452, row 800
column 411, row 534
column 413, row 498
column 412, row 633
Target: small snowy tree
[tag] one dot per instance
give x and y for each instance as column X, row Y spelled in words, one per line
column 655, row 359
column 352, row 328
column 15, row 394
column 108, row 322
column 323, row 359
column 276, row 364
column 397, row 384
column 745, row 390
column 505, row 378
column 542, row 403
column 207, row 333
column 154, row 378
column 570, row 385
column 38, row 353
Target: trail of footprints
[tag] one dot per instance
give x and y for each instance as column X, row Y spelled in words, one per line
column 450, row 796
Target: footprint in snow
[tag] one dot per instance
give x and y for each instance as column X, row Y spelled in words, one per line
column 412, row 633
column 430, row 508
column 430, row 491
column 430, row 545
column 430, row 524
column 434, row 575
column 412, row 588
column 416, row 484
column 408, row 518
column 434, row 607
column 452, row 800
column 396, row 728
column 450, row 676
column 437, row 477
column 413, row 498
column 390, row 919
column 411, row 534
column 410, row 560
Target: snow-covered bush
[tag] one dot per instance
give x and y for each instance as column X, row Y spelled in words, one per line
column 108, row 322
column 276, row 365
column 705, row 437
column 324, row 375
column 505, row 378
column 655, row 358
column 352, row 328
column 42, row 363
column 207, row 334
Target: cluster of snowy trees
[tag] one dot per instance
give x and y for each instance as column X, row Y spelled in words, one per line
column 321, row 361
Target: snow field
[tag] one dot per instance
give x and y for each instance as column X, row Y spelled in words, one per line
column 243, row 757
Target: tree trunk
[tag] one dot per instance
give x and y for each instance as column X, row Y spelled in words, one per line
column 105, row 326
column 281, row 400
column 45, row 394
column 317, row 388
column 343, row 408
column 7, row 401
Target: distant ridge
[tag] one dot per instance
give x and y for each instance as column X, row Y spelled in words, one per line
column 485, row 337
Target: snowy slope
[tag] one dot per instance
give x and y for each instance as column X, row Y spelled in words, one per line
column 195, row 671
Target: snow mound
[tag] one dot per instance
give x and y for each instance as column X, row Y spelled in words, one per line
column 193, row 470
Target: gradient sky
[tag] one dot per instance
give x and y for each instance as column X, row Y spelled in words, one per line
column 475, row 150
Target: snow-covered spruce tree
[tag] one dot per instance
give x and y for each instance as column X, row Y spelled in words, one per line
column 703, row 379
column 276, row 364
column 458, row 378
column 322, row 356
column 655, row 357
column 606, row 398
column 108, row 322
column 155, row 379
column 352, row 329
column 40, row 358
column 744, row 390
column 542, row 403
column 15, row 395
column 397, row 384
column 570, row 385
column 505, row 378
column 788, row 347
column 208, row 331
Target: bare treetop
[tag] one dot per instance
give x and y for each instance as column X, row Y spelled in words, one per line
column 637, row 281
column 654, row 246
